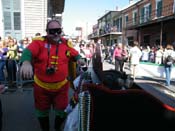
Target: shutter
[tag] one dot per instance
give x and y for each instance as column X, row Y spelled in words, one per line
column 150, row 11
column 142, row 15
column 7, row 20
column 159, row 8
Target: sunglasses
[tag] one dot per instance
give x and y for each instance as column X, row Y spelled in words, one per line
column 56, row 31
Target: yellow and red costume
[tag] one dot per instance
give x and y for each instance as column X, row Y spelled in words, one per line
column 50, row 88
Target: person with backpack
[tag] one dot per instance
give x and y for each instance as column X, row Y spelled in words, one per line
column 168, row 61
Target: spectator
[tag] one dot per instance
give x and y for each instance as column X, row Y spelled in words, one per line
column 159, row 55
column 3, row 57
column 11, row 62
column 118, row 55
column 168, row 68
column 38, row 34
column 134, row 56
column 26, row 42
column 145, row 54
column 111, row 51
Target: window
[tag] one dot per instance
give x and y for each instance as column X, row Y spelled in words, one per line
column 118, row 25
column 121, row 24
column 126, row 20
column 145, row 13
column 16, row 5
column 17, row 21
column 142, row 15
column 6, row 4
column 7, row 21
column 134, row 17
column 159, row 8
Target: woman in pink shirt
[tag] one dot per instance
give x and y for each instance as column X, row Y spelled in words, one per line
column 118, row 55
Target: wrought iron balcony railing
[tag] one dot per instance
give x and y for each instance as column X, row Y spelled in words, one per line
column 152, row 16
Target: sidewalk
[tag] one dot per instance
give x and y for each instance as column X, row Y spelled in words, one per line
column 152, row 85
column 159, row 81
column 108, row 66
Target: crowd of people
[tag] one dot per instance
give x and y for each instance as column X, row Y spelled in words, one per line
column 118, row 54
column 10, row 52
column 46, row 59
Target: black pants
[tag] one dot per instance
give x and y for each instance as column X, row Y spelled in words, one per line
column 119, row 64
column 11, row 70
column 45, row 126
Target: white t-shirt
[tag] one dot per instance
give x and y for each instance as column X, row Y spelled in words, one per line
column 135, row 54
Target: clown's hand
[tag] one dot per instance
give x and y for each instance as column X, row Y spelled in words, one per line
column 26, row 70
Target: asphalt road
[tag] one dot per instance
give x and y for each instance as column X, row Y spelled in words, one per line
column 18, row 110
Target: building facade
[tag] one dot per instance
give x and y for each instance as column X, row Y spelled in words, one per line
column 150, row 22
column 110, row 27
column 24, row 18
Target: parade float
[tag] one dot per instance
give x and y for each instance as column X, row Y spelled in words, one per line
column 110, row 100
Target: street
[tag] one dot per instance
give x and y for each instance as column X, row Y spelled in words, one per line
column 18, row 111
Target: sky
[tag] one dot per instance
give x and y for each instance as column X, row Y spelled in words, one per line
column 85, row 13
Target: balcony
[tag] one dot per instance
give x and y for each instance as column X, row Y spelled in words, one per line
column 161, row 14
column 112, row 30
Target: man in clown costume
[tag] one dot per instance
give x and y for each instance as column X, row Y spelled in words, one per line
column 46, row 60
